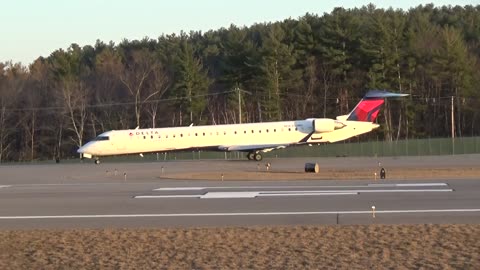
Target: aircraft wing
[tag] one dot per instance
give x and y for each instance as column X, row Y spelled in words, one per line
column 253, row 147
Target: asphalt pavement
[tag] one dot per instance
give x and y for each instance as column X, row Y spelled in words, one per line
column 135, row 195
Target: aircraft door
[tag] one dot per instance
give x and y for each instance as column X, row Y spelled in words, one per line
column 118, row 142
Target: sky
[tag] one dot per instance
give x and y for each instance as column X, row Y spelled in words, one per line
column 32, row 28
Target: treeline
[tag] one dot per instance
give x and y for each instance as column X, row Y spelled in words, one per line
column 314, row 66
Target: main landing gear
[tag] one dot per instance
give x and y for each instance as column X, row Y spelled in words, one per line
column 254, row 156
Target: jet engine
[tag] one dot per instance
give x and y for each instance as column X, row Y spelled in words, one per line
column 323, row 125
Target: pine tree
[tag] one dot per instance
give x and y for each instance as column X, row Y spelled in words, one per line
column 276, row 76
column 191, row 85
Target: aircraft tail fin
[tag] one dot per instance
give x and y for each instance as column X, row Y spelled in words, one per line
column 368, row 108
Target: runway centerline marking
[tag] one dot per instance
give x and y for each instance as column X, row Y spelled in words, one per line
column 243, row 195
column 417, row 211
column 76, row 184
column 365, row 191
column 305, row 186
column 410, row 185
column 179, row 189
column 279, row 193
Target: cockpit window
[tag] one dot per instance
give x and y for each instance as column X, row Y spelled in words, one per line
column 102, row 138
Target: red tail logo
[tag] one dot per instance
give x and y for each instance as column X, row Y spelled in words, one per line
column 367, row 110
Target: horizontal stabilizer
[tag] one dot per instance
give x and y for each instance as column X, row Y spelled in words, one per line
column 382, row 94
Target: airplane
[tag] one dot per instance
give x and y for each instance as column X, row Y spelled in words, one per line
column 252, row 138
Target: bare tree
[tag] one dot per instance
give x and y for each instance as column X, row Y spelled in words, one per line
column 32, row 98
column 12, row 80
column 158, row 85
column 5, row 131
column 75, row 98
column 134, row 76
column 108, row 66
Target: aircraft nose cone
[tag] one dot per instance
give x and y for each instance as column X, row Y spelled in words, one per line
column 85, row 149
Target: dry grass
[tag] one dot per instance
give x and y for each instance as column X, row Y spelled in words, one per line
column 299, row 247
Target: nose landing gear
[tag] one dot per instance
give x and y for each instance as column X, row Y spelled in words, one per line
column 97, row 161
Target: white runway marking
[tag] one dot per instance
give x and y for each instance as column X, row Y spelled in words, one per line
column 166, row 196
column 255, row 194
column 4, row 186
column 73, row 184
column 426, row 211
column 254, row 187
column 242, row 195
column 410, row 185
column 363, row 191
column 179, row 189
column 229, row 195
column 309, row 194
column 245, row 187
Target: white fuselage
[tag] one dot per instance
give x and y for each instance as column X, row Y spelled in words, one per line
column 235, row 137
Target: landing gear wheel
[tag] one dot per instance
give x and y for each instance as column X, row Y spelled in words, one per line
column 250, row 155
column 258, row 157
column 97, row 161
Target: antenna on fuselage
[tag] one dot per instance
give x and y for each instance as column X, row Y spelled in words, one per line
column 191, row 125
column 137, row 127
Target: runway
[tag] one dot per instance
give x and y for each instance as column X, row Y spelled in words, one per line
column 184, row 203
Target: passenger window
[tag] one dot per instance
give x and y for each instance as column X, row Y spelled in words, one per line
column 151, row 137
column 144, row 137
